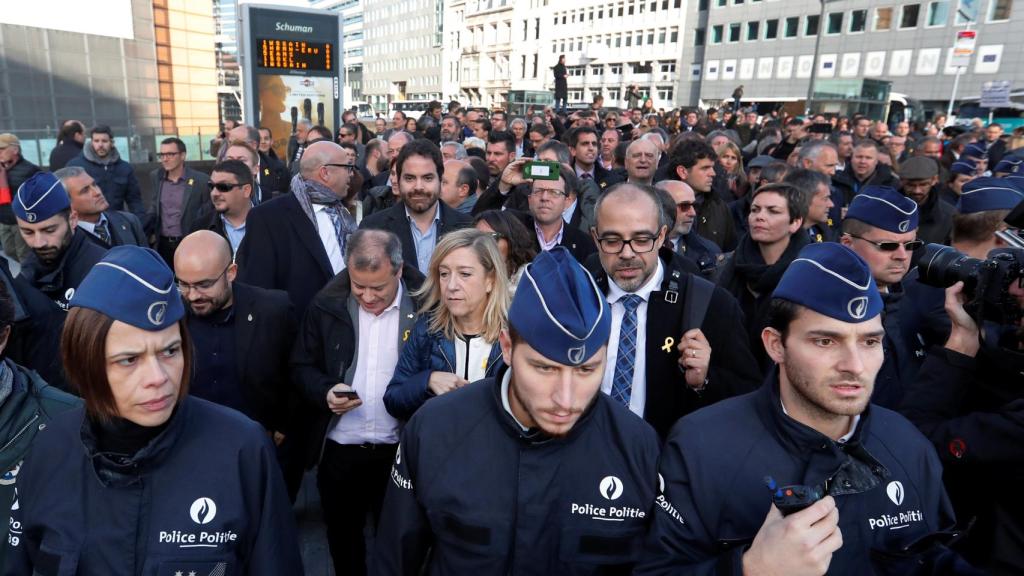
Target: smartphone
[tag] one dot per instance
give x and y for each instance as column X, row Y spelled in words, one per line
column 346, row 394
column 542, row 170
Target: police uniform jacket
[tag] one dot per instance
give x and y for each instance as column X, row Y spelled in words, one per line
column 60, row 282
column 491, row 498
column 326, row 351
column 886, row 479
column 733, row 370
column 24, row 414
column 972, row 410
column 204, row 496
column 425, row 352
column 900, row 366
column 923, row 318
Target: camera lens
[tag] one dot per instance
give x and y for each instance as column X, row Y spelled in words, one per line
column 942, row 266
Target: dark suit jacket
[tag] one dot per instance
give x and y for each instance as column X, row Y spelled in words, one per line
column 265, row 329
column 606, row 178
column 394, row 220
column 733, row 370
column 274, row 177
column 197, row 194
column 282, row 250
column 577, row 242
column 125, row 230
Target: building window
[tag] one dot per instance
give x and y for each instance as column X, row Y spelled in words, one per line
column 771, row 29
column 674, row 36
column 858, row 21
column 753, row 31
column 999, row 10
column 650, row 38
column 883, row 19
column 618, row 41
column 597, row 70
column 721, row 3
column 667, row 67
column 792, row 26
column 938, row 12
column 613, row 94
column 701, row 5
column 734, row 32
column 835, row 23
column 575, row 95
column 615, row 69
column 716, row 34
column 665, row 93
column 909, row 15
column 661, row 36
column 966, row 12
column 811, row 25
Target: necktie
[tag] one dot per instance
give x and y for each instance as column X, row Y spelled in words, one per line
column 335, row 215
column 103, row 232
column 586, row 176
column 622, row 381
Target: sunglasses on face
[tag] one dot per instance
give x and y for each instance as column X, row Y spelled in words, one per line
column 891, row 245
column 223, row 186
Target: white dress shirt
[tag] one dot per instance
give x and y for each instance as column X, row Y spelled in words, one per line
column 325, row 228
column 375, row 365
column 638, row 391
column 471, row 358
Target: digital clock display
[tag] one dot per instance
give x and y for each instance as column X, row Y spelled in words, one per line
column 296, row 55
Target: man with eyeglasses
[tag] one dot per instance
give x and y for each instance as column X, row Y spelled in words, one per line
column 919, row 178
column 548, row 200
column 665, row 359
column 242, row 334
column 881, row 227
column 180, row 194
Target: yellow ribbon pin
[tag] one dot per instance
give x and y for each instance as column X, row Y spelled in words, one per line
column 190, row 180
column 405, row 336
column 669, row 342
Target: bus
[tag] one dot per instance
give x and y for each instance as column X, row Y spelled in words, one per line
column 411, row 108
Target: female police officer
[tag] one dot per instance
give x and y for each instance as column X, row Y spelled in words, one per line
column 145, row 480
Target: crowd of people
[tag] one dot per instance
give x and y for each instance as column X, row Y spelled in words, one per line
column 598, row 342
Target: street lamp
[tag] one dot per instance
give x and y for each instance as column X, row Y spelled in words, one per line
column 814, row 63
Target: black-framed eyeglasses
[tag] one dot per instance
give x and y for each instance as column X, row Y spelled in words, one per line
column 685, row 206
column 222, row 186
column 533, row 191
column 641, row 244
column 891, row 245
column 202, row 285
column 163, row 155
column 351, row 167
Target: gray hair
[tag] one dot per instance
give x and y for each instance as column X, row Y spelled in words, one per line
column 644, row 138
column 68, row 172
column 474, row 142
column 366, row 249
column 811, row 150
column 632, row 189
column 518, row 121
column 559, row 148
column 306, row 122
column 460, row 150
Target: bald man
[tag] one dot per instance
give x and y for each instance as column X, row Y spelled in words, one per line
column 683, row 238
column 242, row 335
column 459, row 185
column 295, row 243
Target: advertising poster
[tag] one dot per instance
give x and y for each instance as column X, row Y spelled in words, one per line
column 284, row 100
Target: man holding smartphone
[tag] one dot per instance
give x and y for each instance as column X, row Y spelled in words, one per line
column 349, row 344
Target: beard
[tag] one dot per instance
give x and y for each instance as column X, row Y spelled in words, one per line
column 51, row 255
column 816, row 396
column 208, row 305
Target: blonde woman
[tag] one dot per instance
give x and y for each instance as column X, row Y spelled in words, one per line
column 464, row 306
column 730, row 158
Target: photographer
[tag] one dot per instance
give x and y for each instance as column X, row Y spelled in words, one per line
column 969, row 401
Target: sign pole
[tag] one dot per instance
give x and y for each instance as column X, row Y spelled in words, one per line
column 952, row 97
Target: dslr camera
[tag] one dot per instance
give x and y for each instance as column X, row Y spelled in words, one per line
column 986, row 282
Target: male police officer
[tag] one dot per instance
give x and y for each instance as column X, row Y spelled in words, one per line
column 810, row 424
column 61, row 254
column 881, row 227
column 534, row 471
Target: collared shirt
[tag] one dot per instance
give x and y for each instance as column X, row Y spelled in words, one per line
column 172, row 205
column 325, row 228
column 505, row 381
column 544, row 244
column 234, row 235
column 580, row 173
column 638, row 393
column 216, row 372
column 424, row 241
column 91, row 228
column 568, row 214
column 375, row 365
column 842, row 439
